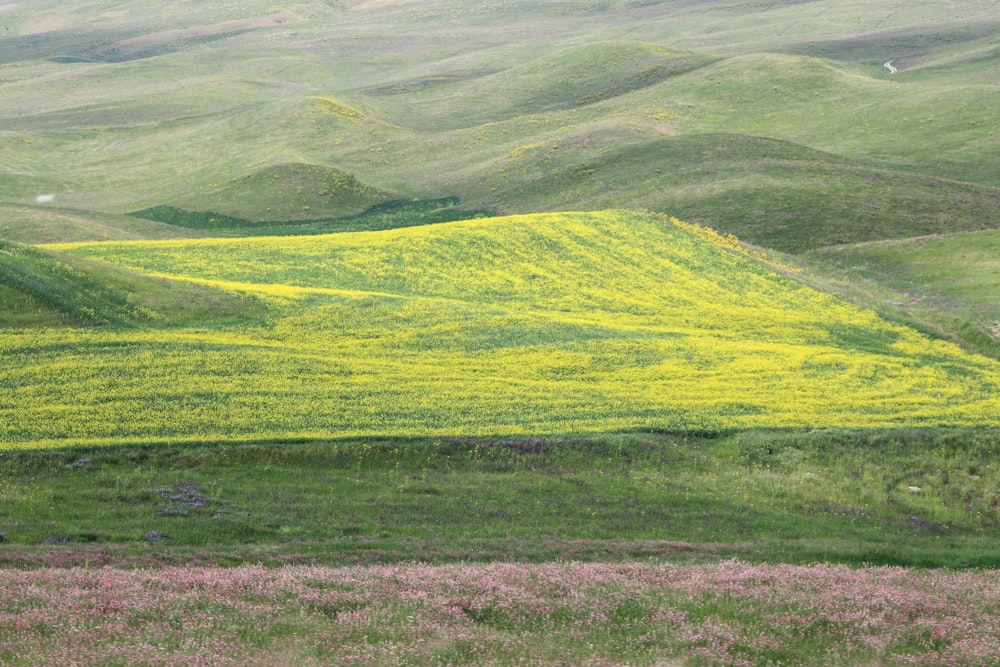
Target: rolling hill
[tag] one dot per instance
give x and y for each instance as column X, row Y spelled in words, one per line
column 530, row 324
column 40, row 289
column 947, row 283
column 308, row 283
column 779, row 124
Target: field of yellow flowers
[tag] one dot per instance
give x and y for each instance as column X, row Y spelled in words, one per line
column 548, row 323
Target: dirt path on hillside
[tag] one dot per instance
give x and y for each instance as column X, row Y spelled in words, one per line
column 888, row 65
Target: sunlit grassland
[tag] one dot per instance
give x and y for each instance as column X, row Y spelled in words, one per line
column 947, row 283
column 531, row 324
column 516, row 107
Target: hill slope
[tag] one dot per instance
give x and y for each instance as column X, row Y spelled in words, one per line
column 948, row 282
column 53, row 224
column 529, row 324
column 41, row 289
column 514, row 107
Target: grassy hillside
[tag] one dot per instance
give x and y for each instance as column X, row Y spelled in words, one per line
column 533, row 324
column 947, row 283
column 50, row 223
column 569, row 78
column 41, row 289
column 288, row 192
column 391, row 214
column 777, row 123
column 253, row 312
column 772, row 193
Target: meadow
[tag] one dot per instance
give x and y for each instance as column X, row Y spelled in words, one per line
column 216, row 381
column 540, row 324
column 730, row 613
column 368, row 332
column 789, row 136
column 946, row 283
column 914, row 497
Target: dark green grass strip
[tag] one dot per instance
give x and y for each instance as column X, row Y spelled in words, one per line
column 388, row 215
column 837, row 496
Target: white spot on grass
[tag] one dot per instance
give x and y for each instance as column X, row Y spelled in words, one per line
column 914, row 489
column 45, row 199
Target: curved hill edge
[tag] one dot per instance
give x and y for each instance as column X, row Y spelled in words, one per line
column 45, row 288
column 545, row 323
column 288, row 191
column 569, row 78
column 770, row 192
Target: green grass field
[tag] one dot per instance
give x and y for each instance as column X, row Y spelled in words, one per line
column 835, row 495
column 386, row 307
column 947, row 284
column 790, row 137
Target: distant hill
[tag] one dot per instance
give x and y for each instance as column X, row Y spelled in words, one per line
column 52, row 224
column 287, row 192
column 777, row 122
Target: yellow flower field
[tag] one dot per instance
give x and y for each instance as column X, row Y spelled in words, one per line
column 555, row 323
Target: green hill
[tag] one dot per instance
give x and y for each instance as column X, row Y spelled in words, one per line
column 288, row 192
column 53, row 224
column 37, row 285
column 780, row 124
column 948, row 283
column 772, row 193
column 569, row 78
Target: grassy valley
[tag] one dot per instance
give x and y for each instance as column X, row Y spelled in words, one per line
column 946, row 282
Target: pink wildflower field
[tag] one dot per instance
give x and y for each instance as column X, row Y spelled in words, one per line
column 730, row 613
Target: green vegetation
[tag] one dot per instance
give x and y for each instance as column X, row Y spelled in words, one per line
column 38, row 288
column 289, row 192
column 781, row 126
column 255, row 310
column 54, row 224
column 388, row 215
column 946, row 284
column 906, row 497
column 40, row 282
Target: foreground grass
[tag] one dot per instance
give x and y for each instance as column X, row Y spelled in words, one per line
column 924, row 498
column 731, row 613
